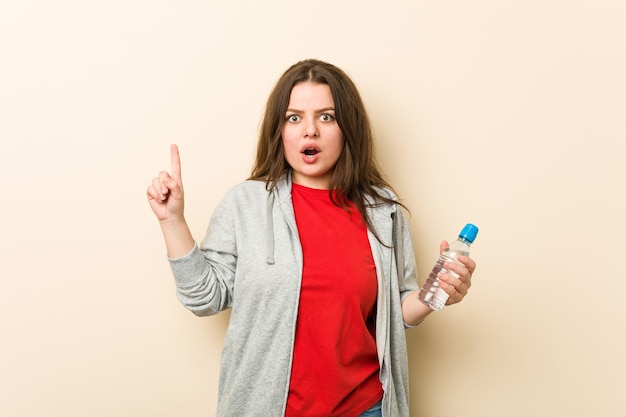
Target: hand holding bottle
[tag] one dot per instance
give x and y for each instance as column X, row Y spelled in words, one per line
column 450, row 278
column 457, row 288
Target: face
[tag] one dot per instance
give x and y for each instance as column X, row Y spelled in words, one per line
column 311, row 136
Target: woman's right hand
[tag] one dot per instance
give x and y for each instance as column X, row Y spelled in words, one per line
column 165, row 193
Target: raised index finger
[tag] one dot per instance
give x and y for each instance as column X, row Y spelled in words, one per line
column 175, row 162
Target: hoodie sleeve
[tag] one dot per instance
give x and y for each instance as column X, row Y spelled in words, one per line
column 205, row 276
column 405, row 255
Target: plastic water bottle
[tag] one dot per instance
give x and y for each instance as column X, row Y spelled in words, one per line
column 431, row 293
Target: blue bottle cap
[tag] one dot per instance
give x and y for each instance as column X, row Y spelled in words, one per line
column 469, row 232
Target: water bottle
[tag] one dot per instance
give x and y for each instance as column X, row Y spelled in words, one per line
column 431, row 293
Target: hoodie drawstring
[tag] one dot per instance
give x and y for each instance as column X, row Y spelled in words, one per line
column 269, row 232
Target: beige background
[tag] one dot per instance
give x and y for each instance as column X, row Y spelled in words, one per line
column 509, row 114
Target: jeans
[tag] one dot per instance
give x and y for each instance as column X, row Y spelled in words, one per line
column 375, row 411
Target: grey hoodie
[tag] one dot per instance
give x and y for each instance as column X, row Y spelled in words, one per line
column 251, row 261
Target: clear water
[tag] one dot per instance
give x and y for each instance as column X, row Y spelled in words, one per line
column 431, row 293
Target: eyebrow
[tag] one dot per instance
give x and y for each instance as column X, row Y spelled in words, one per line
column 316, row 111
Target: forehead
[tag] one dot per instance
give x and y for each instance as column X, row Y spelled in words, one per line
column 310, row 94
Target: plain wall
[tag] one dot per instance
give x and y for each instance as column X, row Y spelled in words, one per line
column 508, row 114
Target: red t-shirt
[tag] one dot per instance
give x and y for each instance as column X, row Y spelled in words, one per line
column 335, row 369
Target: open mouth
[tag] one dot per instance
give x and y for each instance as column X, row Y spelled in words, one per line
column 310, row 151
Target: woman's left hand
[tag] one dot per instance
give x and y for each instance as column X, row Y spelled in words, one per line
column 457, row 288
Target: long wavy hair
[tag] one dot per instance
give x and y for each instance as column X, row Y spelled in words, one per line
column 356, row 174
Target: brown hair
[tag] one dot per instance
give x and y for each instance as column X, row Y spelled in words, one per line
column 357, row 173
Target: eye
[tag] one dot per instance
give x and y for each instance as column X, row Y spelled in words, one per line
column 325, row 117
column 293, row 118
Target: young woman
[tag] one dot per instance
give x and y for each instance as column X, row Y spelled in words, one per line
column 313, row 255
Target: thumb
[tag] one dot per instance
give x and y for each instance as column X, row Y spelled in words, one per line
column 443, row 246
column 175, row 187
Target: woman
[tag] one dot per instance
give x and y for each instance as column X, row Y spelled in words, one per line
column 313, row 255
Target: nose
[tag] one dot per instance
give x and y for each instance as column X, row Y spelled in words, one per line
column 310, row 129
